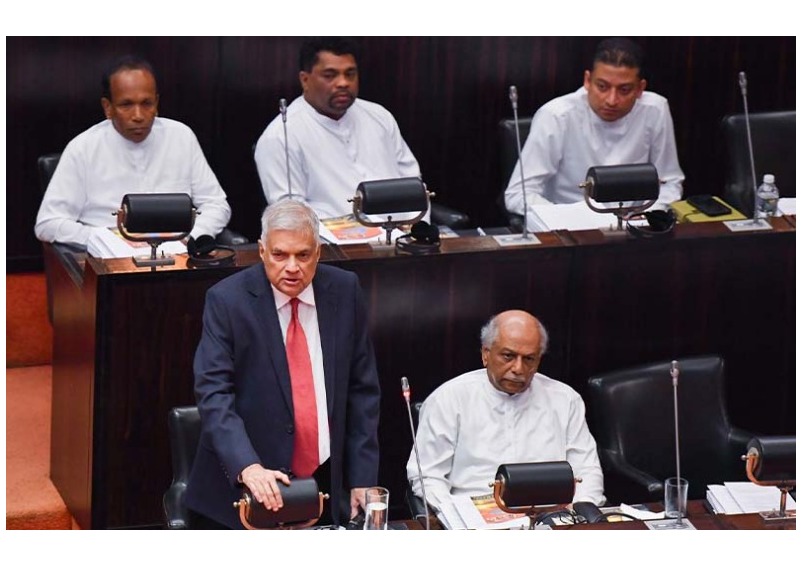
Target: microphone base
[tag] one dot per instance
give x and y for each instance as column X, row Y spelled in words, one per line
column 748, row 225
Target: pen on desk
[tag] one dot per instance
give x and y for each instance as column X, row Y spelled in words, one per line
column 481, row 232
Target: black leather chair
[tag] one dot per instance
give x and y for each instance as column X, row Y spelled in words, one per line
column 631, row 417
column 445, row 216
column 184, row 426
column 773, row 137
column 509, row 155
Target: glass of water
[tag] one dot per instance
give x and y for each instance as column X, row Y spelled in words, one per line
column 675, row 497
column 376, row 508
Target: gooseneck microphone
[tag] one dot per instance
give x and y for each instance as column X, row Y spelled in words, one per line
column 406, row 395
column 674, row 374
column 741, row 79
column 283, row 110
column 513, row 96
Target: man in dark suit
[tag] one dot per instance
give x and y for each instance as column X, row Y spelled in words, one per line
column 268, row 409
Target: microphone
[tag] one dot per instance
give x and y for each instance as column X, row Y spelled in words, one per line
column 406, row 395
column 513, row 96
column 674, row 374
column 283, row 110
column 743, row 82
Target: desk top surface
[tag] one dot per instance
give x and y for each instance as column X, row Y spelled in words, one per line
column 248, row 255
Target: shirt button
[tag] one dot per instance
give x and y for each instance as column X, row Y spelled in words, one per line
column 289, row 430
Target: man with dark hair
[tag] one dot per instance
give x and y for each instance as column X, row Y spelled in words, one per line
column 335, row 140
column 610, row 120
column 132, row 151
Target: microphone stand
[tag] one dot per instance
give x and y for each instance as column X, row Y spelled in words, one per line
column 283, row 110
column 674, row 374
column 513, row 96
column 744, row 90
column 406, row 395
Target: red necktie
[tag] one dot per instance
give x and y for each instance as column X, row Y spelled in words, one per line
column 305, row 446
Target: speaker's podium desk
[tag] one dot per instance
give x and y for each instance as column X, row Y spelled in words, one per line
column 124, row 338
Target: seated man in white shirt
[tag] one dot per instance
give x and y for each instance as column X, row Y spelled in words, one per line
column 610, row 120
column 335, row 140
column 132, row 151
column 503, row 413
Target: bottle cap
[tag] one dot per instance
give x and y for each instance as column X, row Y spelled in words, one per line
column 768, row 178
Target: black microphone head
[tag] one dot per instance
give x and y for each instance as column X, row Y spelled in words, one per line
column 201, row 246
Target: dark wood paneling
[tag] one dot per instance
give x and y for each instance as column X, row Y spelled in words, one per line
column 125, row 340
column 447, row 93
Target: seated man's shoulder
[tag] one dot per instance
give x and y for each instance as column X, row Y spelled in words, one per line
column 367, row 109
column 455, row 389
column 563, row 106
column 652, row 100
column 173, row 126
column 555, row 387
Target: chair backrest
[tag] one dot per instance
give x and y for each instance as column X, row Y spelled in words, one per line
column 184, row 425
column 509, row 155
column 773, row 137
column 46, row 165
column 632, row 415
column 509, row 151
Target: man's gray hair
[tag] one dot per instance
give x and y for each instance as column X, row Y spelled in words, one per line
column 288, row 214
column 491, row 330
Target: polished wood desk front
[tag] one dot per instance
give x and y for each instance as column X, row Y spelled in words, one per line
column 125, row 337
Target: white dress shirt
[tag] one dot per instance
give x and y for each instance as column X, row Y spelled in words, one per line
column 308, row 317
column 99, row 166
column 468, row 428
column 566, row 138
column 330, row 158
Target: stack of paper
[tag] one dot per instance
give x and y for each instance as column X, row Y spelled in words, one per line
column 574, row 216
column 787, row 205
column 479, row 513
column 111, row 244
column 745, row 498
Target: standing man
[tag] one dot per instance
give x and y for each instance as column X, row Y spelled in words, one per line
column 285, row 378
column 611, row 120
column 503, row 413
column 335, row 140
column 132, row 151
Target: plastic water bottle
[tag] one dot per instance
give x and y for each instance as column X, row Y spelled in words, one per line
column 767, row 197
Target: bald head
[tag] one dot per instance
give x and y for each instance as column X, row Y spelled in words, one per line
column 491, row 330
column 513, row 344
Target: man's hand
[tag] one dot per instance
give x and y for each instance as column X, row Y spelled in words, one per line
column 262, row 484
column 357, row 500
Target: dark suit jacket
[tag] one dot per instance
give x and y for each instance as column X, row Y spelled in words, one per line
column 242, row 387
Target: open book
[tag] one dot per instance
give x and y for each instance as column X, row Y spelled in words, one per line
column 346, row 230
column 478, row 513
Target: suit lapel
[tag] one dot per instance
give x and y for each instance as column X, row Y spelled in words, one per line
column 265, row 311
column 326, row 304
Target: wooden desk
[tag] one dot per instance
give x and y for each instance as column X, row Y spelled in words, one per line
column 124, row 338
column 701, row 519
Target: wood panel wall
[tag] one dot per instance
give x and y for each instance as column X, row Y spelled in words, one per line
column 447, row 93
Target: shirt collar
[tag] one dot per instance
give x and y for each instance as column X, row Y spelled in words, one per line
column 337, row 126
column 500, row 398
column 307, row 296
